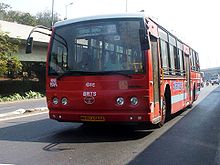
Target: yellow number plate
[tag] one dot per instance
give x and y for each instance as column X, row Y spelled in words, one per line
column 92, row 118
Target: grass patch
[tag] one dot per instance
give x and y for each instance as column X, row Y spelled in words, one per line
column 17, row 96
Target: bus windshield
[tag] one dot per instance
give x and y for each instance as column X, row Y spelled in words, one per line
column 99, row 46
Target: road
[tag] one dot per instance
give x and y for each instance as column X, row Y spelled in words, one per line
column 24, row 104
column 193, row 140
column 192, row 137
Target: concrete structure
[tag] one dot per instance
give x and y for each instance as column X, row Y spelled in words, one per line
column 21, row 32
column 208, row 73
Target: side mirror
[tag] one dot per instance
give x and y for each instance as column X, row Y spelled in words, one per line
column 29, row 45
column 143, row 39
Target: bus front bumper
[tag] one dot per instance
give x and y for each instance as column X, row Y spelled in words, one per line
column 98, row 117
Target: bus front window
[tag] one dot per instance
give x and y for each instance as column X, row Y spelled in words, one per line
column 102, row 45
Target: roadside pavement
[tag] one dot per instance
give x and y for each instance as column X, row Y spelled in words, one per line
column 22, row 107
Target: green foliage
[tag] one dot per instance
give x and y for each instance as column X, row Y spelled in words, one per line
column 4, row 7
column 3, row 10
column 20, row 17
column 45, row 18
column 14, row 66
column 42, row 18
column 8, row 62
column 7, row 45
column 33, row 95
column 16, row 16
column 3, row 65
column 17, row 96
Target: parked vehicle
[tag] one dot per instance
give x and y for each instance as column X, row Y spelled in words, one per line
column 215, row 79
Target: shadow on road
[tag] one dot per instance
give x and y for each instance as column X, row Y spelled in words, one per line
column 49, row 131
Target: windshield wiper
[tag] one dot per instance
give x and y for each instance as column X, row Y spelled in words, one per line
column 73, row 72
column 117, row 72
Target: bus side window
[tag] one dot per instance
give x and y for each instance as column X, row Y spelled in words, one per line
column 197, row 62
column 177, row 61
column 181, row 62
column 192, row 61
column 164, row 56
column 172, row 59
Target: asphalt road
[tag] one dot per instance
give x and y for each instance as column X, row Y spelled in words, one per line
column 192, row 137
column 193, row 140
column 24, row 104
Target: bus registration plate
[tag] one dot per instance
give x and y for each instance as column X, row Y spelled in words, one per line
column 92, row 118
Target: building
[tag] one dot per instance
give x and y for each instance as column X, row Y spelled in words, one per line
column 34, row 65
column 208, row 73
column 21, row 32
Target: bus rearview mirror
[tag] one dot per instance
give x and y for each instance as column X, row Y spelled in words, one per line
column 29, row 45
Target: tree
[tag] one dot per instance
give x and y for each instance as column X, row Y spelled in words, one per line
column 45, row 18
column 16, row 16
column 3, row 9
column 8, row 62
column 42, row 18
column 27, row 19
column 20, row 17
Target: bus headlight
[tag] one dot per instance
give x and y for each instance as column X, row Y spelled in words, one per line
column 134, row 101
column 64, row 101
column 120, row 101
column 55, row 101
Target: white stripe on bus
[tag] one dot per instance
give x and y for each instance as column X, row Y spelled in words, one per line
column 177, row 98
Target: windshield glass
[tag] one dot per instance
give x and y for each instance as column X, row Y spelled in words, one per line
column 98, row 46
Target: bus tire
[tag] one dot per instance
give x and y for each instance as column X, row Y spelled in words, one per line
column 193, row 98
column 194, row 94
column 164, row 112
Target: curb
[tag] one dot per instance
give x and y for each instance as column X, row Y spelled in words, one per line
column 20, row 112
column 25, row 100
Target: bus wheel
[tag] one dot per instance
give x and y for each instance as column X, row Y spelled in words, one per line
column 163, row 115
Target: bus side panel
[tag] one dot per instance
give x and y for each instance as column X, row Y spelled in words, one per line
column 177, row 94
column 195, row 85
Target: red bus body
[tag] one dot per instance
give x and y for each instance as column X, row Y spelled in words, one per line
column 93, row 98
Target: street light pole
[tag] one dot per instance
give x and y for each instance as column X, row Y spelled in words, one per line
column 126, row 6
column 52, row 17
column 66, row 10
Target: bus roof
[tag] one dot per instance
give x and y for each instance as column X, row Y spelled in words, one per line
column 97, row 17
column 122, row 15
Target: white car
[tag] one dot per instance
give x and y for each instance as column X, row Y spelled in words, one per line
column 214, row 81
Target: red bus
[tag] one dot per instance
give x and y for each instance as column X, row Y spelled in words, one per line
column 118, row 68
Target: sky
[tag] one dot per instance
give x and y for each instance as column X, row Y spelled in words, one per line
column 195, row 22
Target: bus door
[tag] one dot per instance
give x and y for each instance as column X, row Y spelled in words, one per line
column 156, row 72
column 187, row 81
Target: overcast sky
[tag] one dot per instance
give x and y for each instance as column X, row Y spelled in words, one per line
column 195, row 22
